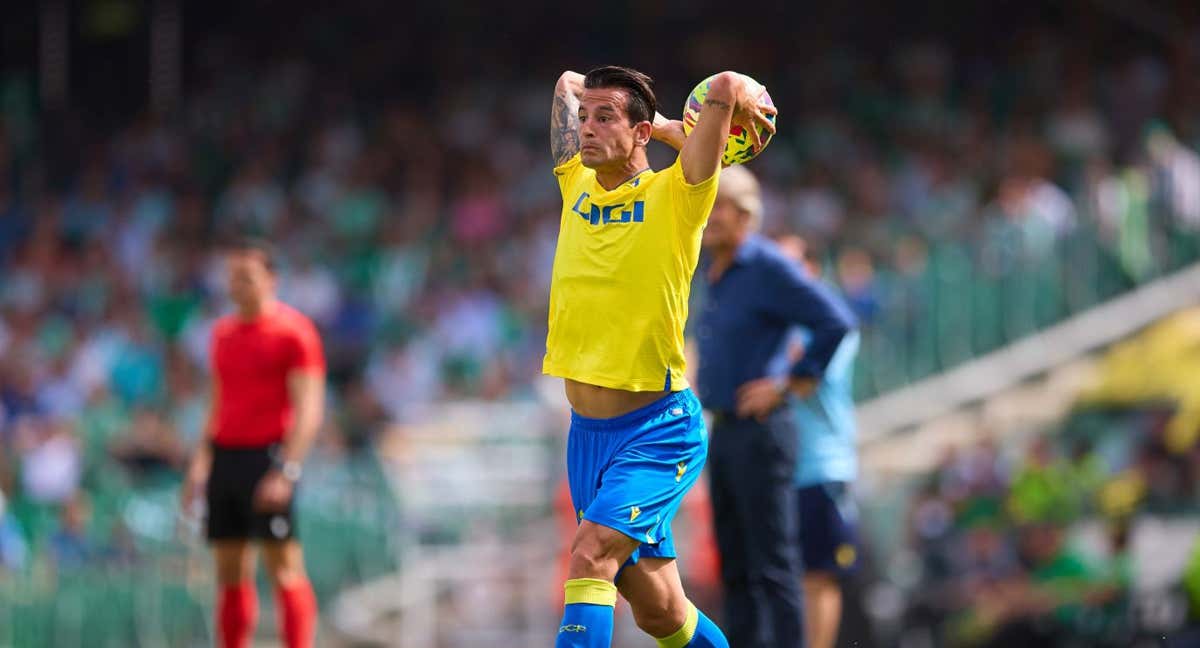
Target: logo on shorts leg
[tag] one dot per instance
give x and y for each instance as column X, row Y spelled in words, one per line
column 634, row 512
column 279, row 527
column 574, row 627
column 680, row 468
column 845, row 555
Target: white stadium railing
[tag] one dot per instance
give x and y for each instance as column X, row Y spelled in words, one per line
column 479, row 557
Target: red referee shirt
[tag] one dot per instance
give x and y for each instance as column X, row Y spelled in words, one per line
column 251, row 360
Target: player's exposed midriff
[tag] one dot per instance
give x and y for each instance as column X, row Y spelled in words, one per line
column 594, row 401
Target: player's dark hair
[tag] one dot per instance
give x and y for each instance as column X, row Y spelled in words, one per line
column 254, row 244
column 641, row 104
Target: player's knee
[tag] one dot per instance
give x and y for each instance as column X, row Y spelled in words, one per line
column 660, row 618
column 287, row 576
column 821, row 580
column 284, row 563
column 595, row 556
column 233, row 574
column 235, row 563
column 591, row 561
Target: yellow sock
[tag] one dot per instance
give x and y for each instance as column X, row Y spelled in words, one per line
column 683, row 636
column 590, row 590
column 587, row 620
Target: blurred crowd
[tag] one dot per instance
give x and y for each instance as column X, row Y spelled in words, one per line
column 996, row 564
column 418, row 231
column 1061, row 541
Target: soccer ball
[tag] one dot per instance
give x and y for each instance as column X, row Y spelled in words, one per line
column 739, row 148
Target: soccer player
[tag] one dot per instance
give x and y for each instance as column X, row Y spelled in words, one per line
column 268, row 396
column 628, row 243
column 826, row 468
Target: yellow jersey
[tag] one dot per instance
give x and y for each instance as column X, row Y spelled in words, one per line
column 622, row 276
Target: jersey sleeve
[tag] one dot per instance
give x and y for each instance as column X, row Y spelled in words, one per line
column 568, row 172
column 693, row 202
column 307, row 353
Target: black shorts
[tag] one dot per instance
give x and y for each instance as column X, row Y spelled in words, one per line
column 230, row 493
column 828, row 528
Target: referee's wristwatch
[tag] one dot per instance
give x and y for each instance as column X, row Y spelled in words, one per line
column 291, row 470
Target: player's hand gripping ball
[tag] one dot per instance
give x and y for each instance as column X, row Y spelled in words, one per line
column 739, row 148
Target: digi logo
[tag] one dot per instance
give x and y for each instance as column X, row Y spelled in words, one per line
column 574, row 627
column 597, row 215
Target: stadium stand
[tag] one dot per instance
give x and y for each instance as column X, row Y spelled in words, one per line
column 963, row 198
column 1081, row 532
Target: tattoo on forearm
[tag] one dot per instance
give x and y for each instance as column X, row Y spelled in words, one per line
column 716, row 104
column 564, row 127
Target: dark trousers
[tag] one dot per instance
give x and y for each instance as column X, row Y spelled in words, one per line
column 751, row 467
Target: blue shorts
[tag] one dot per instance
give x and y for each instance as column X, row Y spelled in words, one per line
column 828, row 528
column 630, row 473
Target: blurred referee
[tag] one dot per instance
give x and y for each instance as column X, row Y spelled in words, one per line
column 268, row 392
column 755, row 295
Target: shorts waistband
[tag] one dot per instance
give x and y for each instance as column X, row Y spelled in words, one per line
column 683, row 398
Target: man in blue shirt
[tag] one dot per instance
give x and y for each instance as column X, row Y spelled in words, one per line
column 755, row 295
column 828, row 464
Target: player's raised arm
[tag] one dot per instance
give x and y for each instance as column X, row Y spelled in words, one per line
column 729, row 101
column 564, row 117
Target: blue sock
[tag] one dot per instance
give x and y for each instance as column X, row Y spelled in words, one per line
column 698, row 631
column 708, row 635
column 588, row 615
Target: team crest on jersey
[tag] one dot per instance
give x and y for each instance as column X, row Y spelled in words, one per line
column 596, row 215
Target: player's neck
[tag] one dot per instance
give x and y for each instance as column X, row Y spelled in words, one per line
column 252, row 311
column 617, row 175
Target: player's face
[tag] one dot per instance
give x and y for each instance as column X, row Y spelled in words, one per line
column 250, row 280
column 726, row 223
column 605, row 134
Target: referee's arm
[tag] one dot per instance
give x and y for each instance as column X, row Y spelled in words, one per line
column 307, row 390
column 306, row 387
